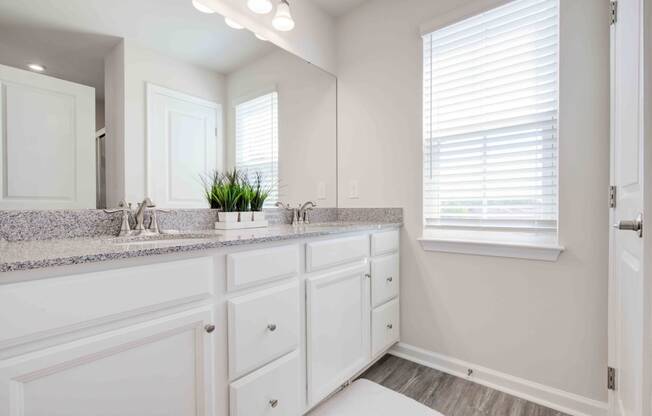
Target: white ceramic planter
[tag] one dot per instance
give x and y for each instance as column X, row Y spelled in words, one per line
column 246, row 216
column 259, row 216
column 227, row 217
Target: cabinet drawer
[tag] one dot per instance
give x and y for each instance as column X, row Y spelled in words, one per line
column 385, row 329
column 384, row 242
column 384, row 279
column 256, row 267
column 262, row 326
column 272, row 390
column 31, row 310
column 330, row 253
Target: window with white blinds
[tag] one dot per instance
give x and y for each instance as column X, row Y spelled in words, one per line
column 490, row 120
column 256, row 140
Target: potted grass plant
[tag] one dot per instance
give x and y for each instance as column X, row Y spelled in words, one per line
column 239, row 200
column 228, row 194
column 244, row 203
column 260, row 194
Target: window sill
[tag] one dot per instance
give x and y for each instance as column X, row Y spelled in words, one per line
column 494, row 244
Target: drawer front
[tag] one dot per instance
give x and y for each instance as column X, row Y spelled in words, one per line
column 272, row 390
column 256, row 267
column 262, row 326
column 384, row 279
column 330, row 253
column 385, row 329
column 384, row 242
column 36, row 309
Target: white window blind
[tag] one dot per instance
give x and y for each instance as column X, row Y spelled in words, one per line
column 490, row 120
column 256, row 140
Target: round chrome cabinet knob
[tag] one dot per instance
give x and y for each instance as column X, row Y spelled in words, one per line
column 273, row 403
column 209, row 328
column 271, row 327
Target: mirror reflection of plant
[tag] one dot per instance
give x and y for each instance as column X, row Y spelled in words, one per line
column 211, row 183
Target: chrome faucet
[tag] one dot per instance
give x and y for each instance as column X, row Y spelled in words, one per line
column 295, row 211
column 299, row 214
column 140, row 214
column 303, row 212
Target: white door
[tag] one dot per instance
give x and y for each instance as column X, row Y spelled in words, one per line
column 338, row 328
column 184, row 144
column 158, row 368
column 47, row 142
column 628, row 290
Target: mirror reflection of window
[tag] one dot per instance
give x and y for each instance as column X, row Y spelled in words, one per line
column 256, row 141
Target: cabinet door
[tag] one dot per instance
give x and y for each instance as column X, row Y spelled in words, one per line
column 338, row 328
column 160, row 367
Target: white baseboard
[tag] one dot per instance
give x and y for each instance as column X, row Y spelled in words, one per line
column 553, row 398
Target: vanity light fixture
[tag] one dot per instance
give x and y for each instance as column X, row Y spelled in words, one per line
column 260, row 6
column 264, row 39
column 36, row 67
column 201, row 7
column 233, row 24
column 283, row 20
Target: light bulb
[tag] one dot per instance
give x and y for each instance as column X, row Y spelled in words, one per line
column 233, row 24
column 36, row 67
column 201, row 7
column 283, row 20
column 260, row 6
column 264, row 39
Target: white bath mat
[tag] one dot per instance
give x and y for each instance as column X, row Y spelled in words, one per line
column 366, row 398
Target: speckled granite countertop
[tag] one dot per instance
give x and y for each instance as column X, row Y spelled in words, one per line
column 35, row 254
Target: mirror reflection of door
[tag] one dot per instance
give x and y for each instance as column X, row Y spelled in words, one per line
column 48, row 147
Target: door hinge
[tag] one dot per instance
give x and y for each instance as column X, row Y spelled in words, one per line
column 613, row 12
column 612, row 196
column 611, row 378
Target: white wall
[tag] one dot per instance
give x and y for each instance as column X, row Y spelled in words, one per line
column 114, row 84
column 99, row 115
column 544, row 322
column 307, row 122
column 313, row 38
column 140, row 67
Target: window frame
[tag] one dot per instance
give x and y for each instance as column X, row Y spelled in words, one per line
column 479, row 240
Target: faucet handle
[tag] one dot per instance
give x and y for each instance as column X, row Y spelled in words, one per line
column 153, row 224
column 122, row 207
column 125, row 208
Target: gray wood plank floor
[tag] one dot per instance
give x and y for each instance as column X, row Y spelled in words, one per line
column 449, row 395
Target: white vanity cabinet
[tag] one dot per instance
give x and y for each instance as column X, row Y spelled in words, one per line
column 252, row 330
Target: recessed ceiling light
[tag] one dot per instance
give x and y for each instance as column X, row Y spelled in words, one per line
column 201, row 7
column 263, row 38
column 36, row 67
column 233, row 24
column 260, row 6
column 283, row 20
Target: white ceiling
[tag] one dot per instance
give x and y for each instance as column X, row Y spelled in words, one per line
column 71, row 37
column 337, row 8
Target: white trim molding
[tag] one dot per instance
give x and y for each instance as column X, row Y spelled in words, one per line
column 518, row 245
column 547, row 396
